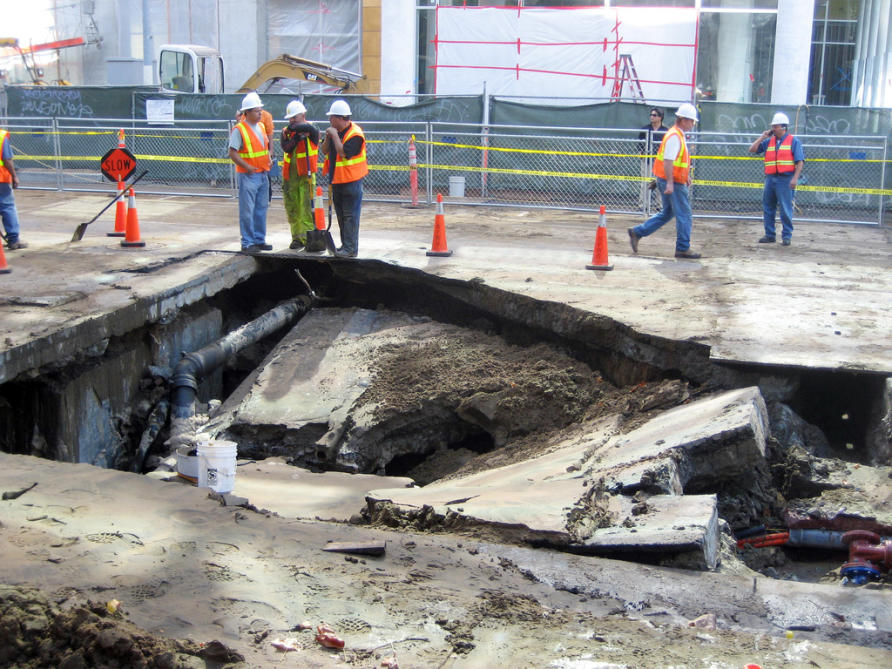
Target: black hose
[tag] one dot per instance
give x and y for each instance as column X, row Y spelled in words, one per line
column 194, row 366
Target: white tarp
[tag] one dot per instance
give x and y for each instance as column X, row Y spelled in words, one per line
column 566, row 52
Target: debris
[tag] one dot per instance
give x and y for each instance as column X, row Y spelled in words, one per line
column 300, row 627
column 356, row 547
column 285, row 645
column 14, row 494
column 112, row 606
column 326, row 637
column 706, row 621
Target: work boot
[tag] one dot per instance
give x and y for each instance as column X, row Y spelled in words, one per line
column 297, row 245
column 690, row 255
column 786, row 242
column 264, row 247
column 767, row 240
column 16, row 245
column 633, row 240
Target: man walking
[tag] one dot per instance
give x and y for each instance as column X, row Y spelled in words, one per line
column 346, row 166
column 672, row 168
column 784, row 159
column 300, row 144
column 249, row 150
column 9, row 180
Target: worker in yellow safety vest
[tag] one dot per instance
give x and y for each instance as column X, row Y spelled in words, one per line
column 672, row 168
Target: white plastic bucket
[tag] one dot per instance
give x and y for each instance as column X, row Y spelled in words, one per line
column 216, row 465
column 456, row 186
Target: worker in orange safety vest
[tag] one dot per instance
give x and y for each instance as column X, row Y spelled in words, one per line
column 249, row 150
column 784, row 160
column 672, row 168
column 346, row 165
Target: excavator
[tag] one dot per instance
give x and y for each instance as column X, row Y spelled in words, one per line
column 192, row 68
column 27, row 54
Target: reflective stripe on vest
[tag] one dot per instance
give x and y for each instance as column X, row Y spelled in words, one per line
column 300, row 159
column 681, row 164
column 255, row 150
column 352, row 169
column 779, row 159
column 5, row 175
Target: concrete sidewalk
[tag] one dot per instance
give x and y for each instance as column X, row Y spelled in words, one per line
column 821, row 303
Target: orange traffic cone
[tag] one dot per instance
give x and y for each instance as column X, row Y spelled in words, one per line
column 438, row 245
column 120, row 214
column 121, row 144
column 599, row 257
column 318, row 213
column 132, row 235
column 4, row 268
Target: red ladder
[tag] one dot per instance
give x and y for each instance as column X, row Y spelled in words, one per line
column 627, row 73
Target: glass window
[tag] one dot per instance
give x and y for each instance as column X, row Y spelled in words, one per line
column 736, row 56
column 739, row 4
column 834, row 32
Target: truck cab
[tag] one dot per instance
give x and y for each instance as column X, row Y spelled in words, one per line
column 190, row 68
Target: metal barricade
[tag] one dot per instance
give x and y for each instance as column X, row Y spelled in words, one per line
column 527, row 166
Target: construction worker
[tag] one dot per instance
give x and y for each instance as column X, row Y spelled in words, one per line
column 784, row 159
column 672, row 168
column 300, row 145
column 9, row 181
column 346, row 166
column 249, row 150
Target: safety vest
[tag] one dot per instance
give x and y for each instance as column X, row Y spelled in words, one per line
column 681, row 164
column 300, row 159
column 254, row 151
column 352, row 169
column 779, row 159
column 5, row 174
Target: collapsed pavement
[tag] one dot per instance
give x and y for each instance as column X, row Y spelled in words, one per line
column 528, row 445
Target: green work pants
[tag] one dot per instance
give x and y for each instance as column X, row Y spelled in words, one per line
column 298, row 206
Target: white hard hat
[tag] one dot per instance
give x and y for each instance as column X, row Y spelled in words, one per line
column 251, row 101
column 687, row 110
column 780, row 119
column 339, row 108
column 294, row 108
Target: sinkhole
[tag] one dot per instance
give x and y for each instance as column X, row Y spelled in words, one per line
column 394, row 372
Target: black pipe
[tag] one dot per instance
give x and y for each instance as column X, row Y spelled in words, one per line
column 197, row 364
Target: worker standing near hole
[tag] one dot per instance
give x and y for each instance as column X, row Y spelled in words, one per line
column 249, row 150
column 784, row 159
column 9, row 180
column 300, row 145
column 346, row 166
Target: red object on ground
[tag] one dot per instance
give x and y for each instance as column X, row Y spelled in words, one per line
column 438, row 245
column 775, row 539
column 326, row 637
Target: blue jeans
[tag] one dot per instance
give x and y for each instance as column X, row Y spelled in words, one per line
column 8, row 213
column 347, row 201
column 253, row 201
column 677, row 205
column 778, row 192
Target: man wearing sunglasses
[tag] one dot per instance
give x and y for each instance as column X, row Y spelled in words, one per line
column 649, row 140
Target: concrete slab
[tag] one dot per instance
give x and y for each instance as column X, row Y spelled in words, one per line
column 294, row 492
column 696, row 445
column 686, row 526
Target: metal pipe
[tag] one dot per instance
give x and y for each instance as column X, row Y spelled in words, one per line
column 195, row 365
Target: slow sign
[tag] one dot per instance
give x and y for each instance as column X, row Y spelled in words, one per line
column 118, row 164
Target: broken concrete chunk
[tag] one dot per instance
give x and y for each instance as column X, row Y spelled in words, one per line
column 711, row 441
column 673, row 526
column 356, row 547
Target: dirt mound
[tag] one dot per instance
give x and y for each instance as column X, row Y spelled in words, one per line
column 35, row 633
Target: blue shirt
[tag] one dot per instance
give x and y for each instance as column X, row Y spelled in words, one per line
column 798, row 153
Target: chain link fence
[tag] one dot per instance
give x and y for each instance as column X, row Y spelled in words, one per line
column 528, row 166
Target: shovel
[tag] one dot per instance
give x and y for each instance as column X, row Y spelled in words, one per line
column 329, row 242
column 82, row 228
